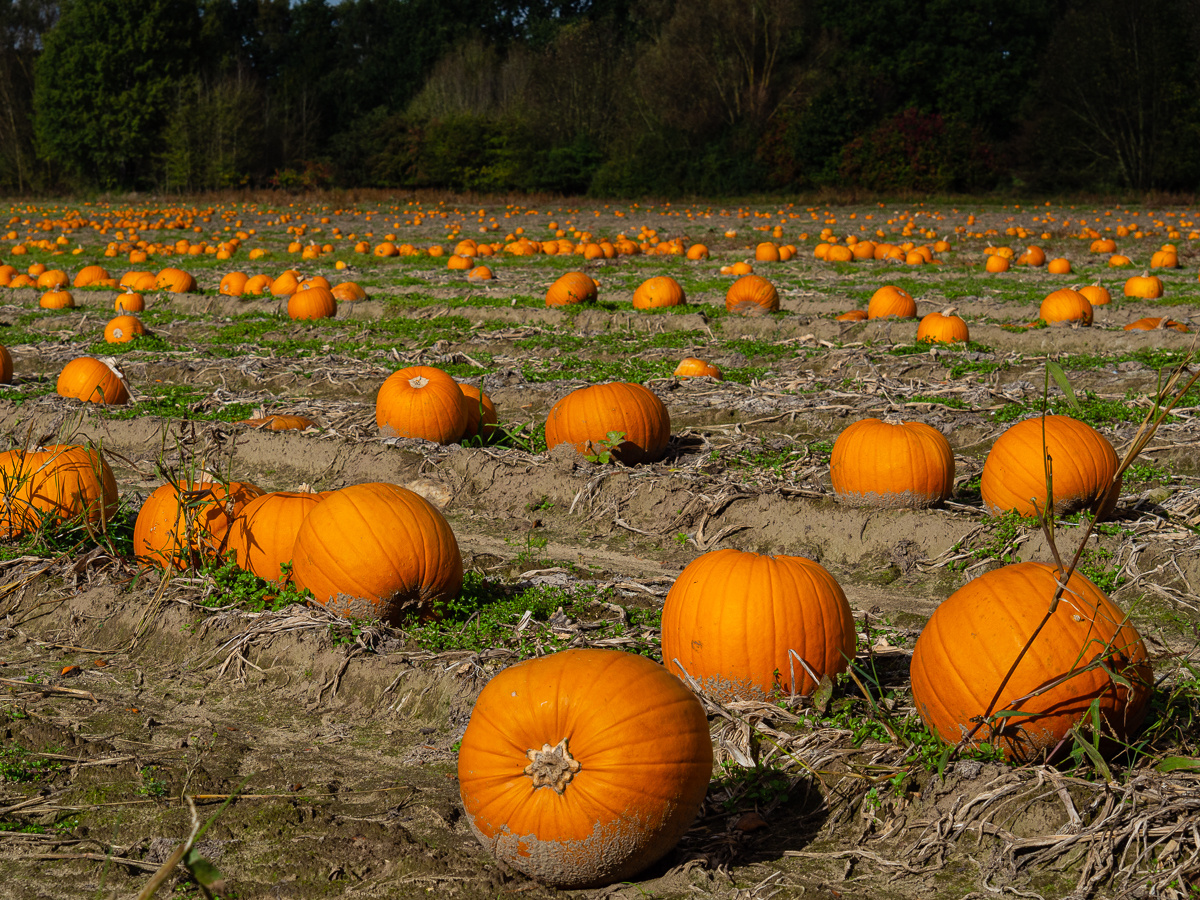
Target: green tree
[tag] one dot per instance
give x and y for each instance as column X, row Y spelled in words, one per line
column 22, row 24
column 105, row 82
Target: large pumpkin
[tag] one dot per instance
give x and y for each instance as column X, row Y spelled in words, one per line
column 572, row 288
column 377, row 551
column 943, row 327
column 92, row 381
column 176, row 281
column 182, row 523
column 890, row 300
column 263, row 533
column 662, row 290
column 1083, row 466
column 1145, row 286
column 891, row 464
column 1065, row 305
column 751, row 295
column 974, row 637
column 740, row 624
column 421, row 402
column 123, row 329
column 315, row 302
column 586, row 417
column 60, row 483
column 584, row 767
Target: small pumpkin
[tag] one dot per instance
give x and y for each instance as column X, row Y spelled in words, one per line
column 1033, row 256
column 56, row 299
column 281, row 423
column 996, row 263
column 751, row 295
column 313, row 303
column 139, row 281
column 182, row 523
column 286, row 284
column 480, row 273
column 348, row 292
column 403, row 558
column 123, row 329
column 853, row 315
column 767, row 251
column 233, row 284
column 129, row 302
column 257, row 285
column 890, row 300
column 1119, row 261
column 1159, row 324
column 691, row 367
column 891, row 464
column 1096, row 295
column 1083, row 462
column 175, row 281
column 92, row 381
column 697, row 252
column 1087, row 656
column 90, row 275
column 737, row 623
column 1059, row 266
column 59, row 483
column 583, row 767
column 421, row 402
column 587, row 417
column 1144, row 286
column 943, row 328
column 53, row 279
column 662, row 290
column 1065, row 305
column 571, row 288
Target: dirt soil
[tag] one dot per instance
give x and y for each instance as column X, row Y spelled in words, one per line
column 341, row 746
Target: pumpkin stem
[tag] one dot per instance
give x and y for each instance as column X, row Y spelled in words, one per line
column 949, row 310
column 552, row 766
column 418, row 382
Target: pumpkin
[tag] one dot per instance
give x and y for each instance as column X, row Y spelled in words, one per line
column 56, row 300
column 1084, row 464
column 176, row 281
column 840, row 253
column 316, row 281
column 1164, row 259
column 853, row 315
column 891, row 464
column 22, row 281
column 1059, row 266
column 1145, row 286
column 6, row 365
column 662, row 290
column 571, row 288
column 996, row 263
column 1103, row 245
column 314, row 303
column 123, row 329
column 482, row 418
column 697, row 252
column 129, row 302
column 943, row 327
column 583, row 767
column 751, row 295
column 739, row 624
column 421, row 402
column 257, row 285
column 280, row 423
column 585, row 418
column 59, row 483
column 90, row 275
column 262, row 535
column 1065, row 305
column 1118, row 261
column 741, row 268
column 890, row 300
column 52, row 279
column 480, row 273
column 1033, row 256
column 691, row 367
column 1096, row 295
column 233, row 284
column 1150, row 324
column 974, row 637
column 184, row 522
column 402, row 558
column 92, row 381
column 766, row 252
column 139, row 281
column 348, row 292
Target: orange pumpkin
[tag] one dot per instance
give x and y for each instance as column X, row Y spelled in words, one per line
column 1065, row 305
column 92, row 381
column 697, row 252
column 176, row 281
column 1119, row 261
column 53, row 279
column 138, row 281
column 662, row 290
column 421, row 402
column 691, row 367
column 281, row 423
column 1164, row 259
column 129, row 302
column 1033, row 256
column 257, row 285
column 480, row 273
column 583, row 767
column 182, row 523
column 402, row 558
column 286, row 284
column 59, row 483
column 1150, row 324
column 313, row 303
column 586, row 418
column 56, row 300
column 751, row 295
column 233, row 284
column 740, row 624
column 482, row 418
column 891, row 464
column 1059, row 266
column 123, row 329
column 890, row 300
column 262, row 535
column 90, row 275
column 1096, row 295
column 1103, row 245
column 6, row 365
column 853, row 315
column 1145, row 286
column 766, row 252
column 571, row 288
column 1083, row 466
column 348, row 292
column 996, row 263
column 974, row 637
column 943, row 327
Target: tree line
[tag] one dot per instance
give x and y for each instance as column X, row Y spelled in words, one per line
column 601, row 97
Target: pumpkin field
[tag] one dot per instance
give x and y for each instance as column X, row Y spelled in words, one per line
column 450, row 546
